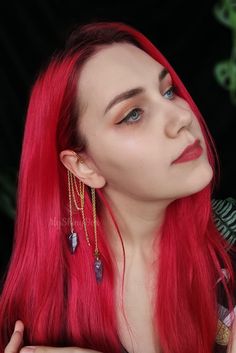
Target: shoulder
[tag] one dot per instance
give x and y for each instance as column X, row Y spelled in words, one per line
column 224, row 214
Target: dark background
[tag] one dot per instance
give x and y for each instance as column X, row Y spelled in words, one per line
column 186, row 32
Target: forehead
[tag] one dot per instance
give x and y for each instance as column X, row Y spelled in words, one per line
column 116, row 68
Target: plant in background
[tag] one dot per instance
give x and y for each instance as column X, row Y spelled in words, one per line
column 8, row 192
column 225, row 71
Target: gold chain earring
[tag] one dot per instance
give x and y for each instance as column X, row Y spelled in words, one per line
column 73, row 193
column 98, row 267
column 80, row 194
column 73, row 236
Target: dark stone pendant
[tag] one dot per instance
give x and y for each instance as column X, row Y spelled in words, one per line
column 98, row 268
column 73, row 242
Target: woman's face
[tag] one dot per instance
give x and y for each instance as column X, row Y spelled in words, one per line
column 133, row 140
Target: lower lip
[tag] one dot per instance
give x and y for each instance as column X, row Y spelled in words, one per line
column 189, row 156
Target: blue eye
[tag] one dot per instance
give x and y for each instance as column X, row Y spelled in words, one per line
column 132, row 117
column 170, row 93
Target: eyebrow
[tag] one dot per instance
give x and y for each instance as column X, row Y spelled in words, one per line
column 132, row 92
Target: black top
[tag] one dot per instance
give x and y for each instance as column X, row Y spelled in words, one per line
column 225, row 220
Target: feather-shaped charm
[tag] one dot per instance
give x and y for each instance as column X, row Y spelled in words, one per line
column 73, row 242
column 98, row 269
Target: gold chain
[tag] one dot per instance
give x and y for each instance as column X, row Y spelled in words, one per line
column 96, row 251
column 80, row 194
column 70, row 200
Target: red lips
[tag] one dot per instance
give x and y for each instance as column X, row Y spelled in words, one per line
column 191, row 152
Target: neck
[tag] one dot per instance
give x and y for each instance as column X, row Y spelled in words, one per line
column 139, row 223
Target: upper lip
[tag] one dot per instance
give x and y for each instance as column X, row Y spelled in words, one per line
column 189, row 148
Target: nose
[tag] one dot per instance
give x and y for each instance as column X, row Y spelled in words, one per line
column 178, row 117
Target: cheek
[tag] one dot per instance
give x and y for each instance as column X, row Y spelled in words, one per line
column 130, row 158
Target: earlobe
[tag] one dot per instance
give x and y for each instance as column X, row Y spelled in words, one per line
column 77, row 164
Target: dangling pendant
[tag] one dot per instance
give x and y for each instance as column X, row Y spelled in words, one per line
column 73, row 242
column 98, row 268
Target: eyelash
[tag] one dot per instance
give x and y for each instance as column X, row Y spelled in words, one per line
column 126, row 120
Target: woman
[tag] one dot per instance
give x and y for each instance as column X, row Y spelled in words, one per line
column 116, row 245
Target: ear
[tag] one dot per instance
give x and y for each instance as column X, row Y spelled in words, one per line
column 82, row 168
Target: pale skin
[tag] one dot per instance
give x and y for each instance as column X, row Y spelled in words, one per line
column 131, row 160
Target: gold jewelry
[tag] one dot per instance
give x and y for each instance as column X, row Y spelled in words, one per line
column 73, row 236
column 72, row 187
column 73, row 194
column 79, row 158
column 98, row 268
column 80, row 193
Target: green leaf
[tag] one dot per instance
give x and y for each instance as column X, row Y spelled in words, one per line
column 8, row 191
column 225, row 12
column 7, row 206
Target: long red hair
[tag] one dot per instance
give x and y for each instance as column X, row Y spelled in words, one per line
column 55, row 293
